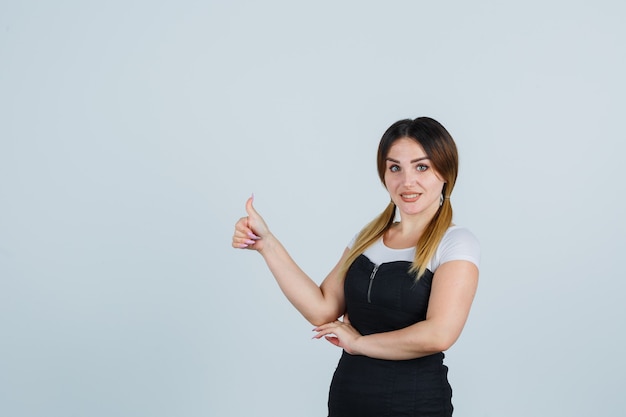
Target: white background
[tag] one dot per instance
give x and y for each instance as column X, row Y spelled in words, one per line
column 131, row 133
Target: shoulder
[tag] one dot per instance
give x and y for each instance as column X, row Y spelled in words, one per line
column 457, row 244
column 459, row 235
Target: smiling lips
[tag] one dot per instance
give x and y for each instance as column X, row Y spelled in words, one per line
column 409, row 198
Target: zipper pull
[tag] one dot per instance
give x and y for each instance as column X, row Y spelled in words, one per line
column 369, row 288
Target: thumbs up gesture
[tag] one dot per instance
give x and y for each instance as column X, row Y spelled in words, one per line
column 250, row 230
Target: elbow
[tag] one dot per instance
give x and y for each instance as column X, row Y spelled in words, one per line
column 442, row 346
column 440, row 337
column 441, row 343
column 324, row 314
column 321, row 320
column 317, row 322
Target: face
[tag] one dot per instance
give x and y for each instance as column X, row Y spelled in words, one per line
column 412, row 182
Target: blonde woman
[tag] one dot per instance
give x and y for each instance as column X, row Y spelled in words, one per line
column 402, row 291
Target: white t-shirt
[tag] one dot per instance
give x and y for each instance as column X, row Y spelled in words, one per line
column 457, row 244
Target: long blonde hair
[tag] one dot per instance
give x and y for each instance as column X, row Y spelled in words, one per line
column 442, row 152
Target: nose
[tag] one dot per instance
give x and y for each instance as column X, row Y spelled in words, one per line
column 409, row 178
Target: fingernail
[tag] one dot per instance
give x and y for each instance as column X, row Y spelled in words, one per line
column 253, row 236
column 243, row 245
column 249, row 242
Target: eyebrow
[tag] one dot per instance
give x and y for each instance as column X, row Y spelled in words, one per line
column 413, row 161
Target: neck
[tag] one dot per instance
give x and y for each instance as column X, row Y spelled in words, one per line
column 407, row 232
column 412, row 226
column 415, row 224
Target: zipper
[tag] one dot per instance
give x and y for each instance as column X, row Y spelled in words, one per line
column 369, row 289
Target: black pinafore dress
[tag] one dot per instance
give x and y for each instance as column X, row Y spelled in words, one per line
column 382, row 298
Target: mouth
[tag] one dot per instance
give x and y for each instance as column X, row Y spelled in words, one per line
column 409, row 197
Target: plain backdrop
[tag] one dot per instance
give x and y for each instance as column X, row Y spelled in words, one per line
column 132, row 132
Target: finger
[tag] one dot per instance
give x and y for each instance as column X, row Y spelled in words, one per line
column 253, row 215
column 242, row 230
column 250, row 207
column 239, row 243
column 242, row 225
column 346, row 320
column 318, row 335
column 323, row 332
column 242, row 243
column 252, row 236
column 245, row 241
column 325, row 327
column 245, row 234
column 333, row 340
column 241, row 239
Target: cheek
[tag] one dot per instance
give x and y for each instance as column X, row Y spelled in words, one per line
column 390, row 183
column 435, row 184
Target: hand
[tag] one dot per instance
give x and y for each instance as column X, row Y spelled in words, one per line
column 340, row 333
column 250, row 230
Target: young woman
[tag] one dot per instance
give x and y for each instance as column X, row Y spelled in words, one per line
column 402, row 291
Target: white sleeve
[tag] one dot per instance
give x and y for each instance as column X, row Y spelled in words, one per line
column 458, row 244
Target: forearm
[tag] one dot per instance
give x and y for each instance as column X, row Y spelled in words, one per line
column 303, row 293
column 418, row 340
column 453, row 289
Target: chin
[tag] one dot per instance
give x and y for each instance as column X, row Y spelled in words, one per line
column 410, row 212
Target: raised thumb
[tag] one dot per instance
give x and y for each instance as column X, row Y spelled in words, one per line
column 250, row 208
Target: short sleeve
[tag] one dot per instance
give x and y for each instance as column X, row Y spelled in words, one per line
column 458, row 244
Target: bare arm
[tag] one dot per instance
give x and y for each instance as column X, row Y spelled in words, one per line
column 318, row 304
column 452, row 293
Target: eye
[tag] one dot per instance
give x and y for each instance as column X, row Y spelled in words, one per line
column 394, row 168
column 421, row 167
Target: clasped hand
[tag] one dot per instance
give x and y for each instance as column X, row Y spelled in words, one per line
column 341, row 334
